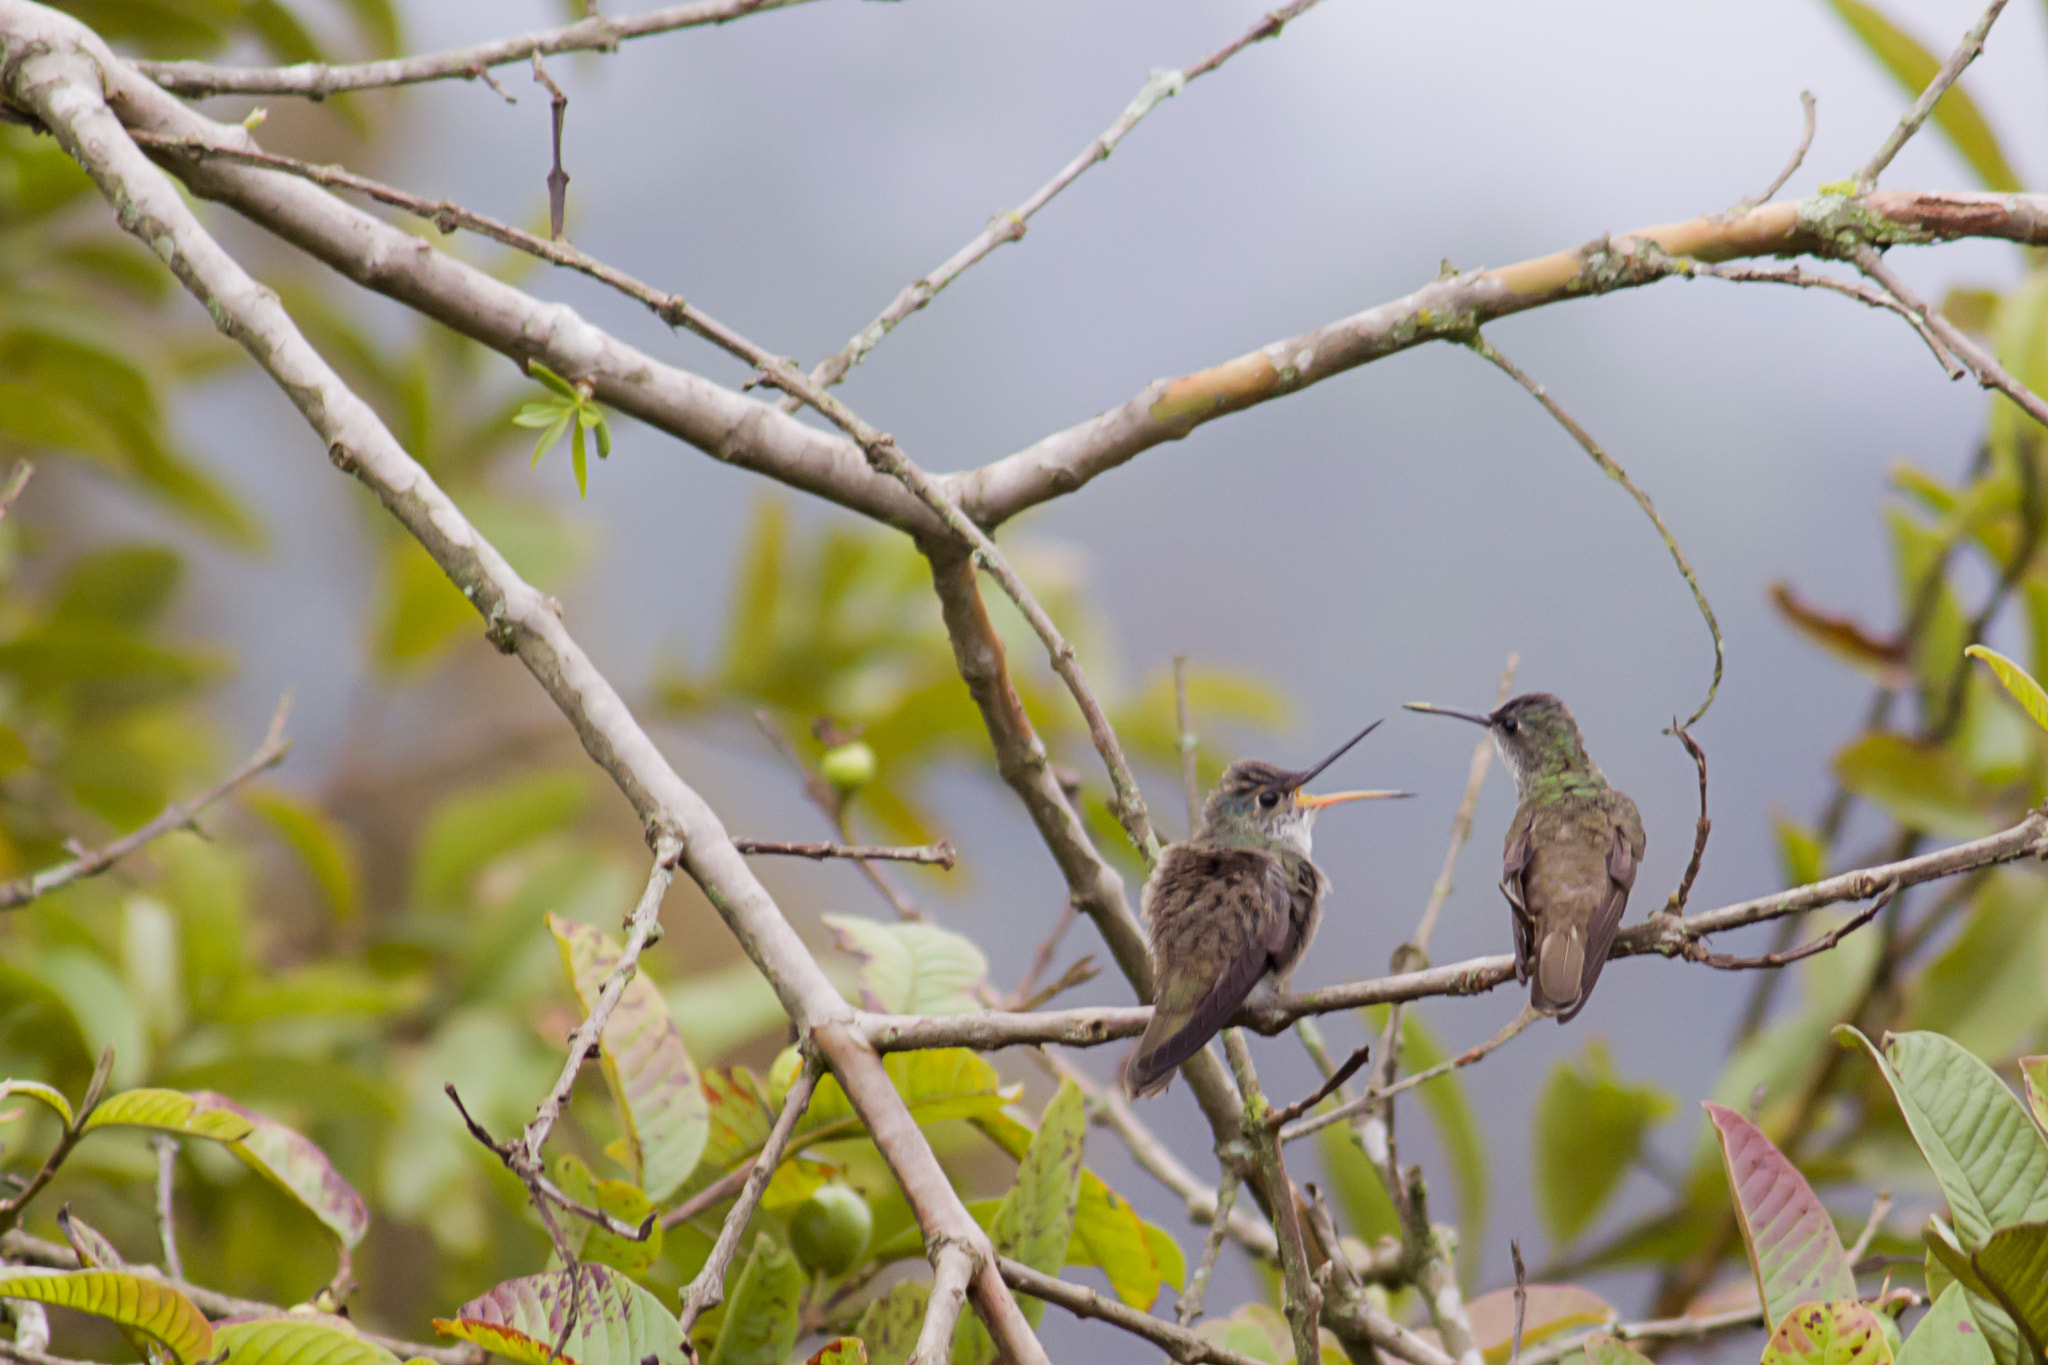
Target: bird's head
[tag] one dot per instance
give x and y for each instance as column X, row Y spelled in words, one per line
column 1535, row 734
column 1262, row 805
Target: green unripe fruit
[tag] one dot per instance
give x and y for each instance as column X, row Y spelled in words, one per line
column 849, row 767
column 830, row 1230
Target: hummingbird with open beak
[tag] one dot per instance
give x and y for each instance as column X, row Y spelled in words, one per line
column 1571, row 853
column 1233, row 909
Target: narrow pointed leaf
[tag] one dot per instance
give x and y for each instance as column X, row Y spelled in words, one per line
column 2034, row 1070
column 581, row 460
column 1108, row 1233
column 95, row 1252
column 1990, row 1160
column 169, row 1111
column 1589, row 1125
column 48, row 1094
column 1793, row 1247
column 617, row 1322
column 1035, row 1221
column 604, row 440
column 1947, row 1335
column 2017, row 681
column 664, row 1119
column 761, row 1318
column 1840, row 1333
column 553, row 381
column 300, row 1339
column 148, row 1306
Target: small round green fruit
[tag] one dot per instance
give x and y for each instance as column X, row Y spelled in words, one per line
column 849, row 767
column 829, row 1231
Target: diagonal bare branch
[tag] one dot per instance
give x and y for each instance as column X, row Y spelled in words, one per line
column 1951, row 71
column 316, row 80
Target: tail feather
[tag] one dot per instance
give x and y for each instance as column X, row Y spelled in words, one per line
column 1156, row 1058
column 1558, row 988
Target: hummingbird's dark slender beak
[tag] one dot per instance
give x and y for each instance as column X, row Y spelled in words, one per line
column 1307, row 802
column 1475, row 717
column 1303, row 779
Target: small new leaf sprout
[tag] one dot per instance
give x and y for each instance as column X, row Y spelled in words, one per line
column 2017, row 681
column 567, row 408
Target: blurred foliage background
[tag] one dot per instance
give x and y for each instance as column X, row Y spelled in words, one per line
column 330, row 949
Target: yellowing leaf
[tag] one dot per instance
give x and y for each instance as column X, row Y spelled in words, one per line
column 147, row 1306
column 617, row 1322
column 664, row 1119
column 1839, row 1333
column 1035, row 1221
column 298, row 1339
column 169, row 1111
column 2017, row 681
column 48, row 1094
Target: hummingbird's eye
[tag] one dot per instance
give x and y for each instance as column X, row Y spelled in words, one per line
column 1508, row 726
column 1269, row 799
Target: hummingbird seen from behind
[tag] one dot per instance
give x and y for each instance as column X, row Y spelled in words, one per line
column 1232, row 910
column 1571, row 853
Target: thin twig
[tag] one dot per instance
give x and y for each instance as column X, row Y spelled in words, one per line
column 1190, row 783
column 1965, row 53
column 1359, row 1056
column 558, row 179
column 1806, row 105
column 543, row 1191
column 1302, row 1127
column 941, row 854
column 1613, row 470
column 642, row 928
column 1009, row 227
column 707, row 1291
column 1041, row 959
column 831, row 803
column 1880, row 1208
column 166, row 1222
column 1082, row 1302
column 179, row 815
column 1728, row 963
column 316, row 80
column 715, row 1193
column 1514, row 1247
column 1980, row 362
column 1078, row 973
column 1702, row 827
column 12, row 1206
column 1190, row 1306
column 1800, row 277
column 1302, row 1300
column 1461, row 823
column 17, row 479
column 1203, row 1203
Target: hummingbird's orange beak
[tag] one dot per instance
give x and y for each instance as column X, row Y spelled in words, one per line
column 1308, row 802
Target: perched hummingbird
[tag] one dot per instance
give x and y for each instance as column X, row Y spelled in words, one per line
column 1571, row 852
column 1232, row 909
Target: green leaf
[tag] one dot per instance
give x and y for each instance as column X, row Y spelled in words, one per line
column 126, row 586
column 1553, row 1310
column 580, row 460
column 2014, row 1267
column 48, row 1094
column 1946, row 1336
column 604, row 436
column 617, row 1322
column 912, row 968
column 890, row 1324
column 95, row 1252
column 1589, row 1127
column 943, row 1083
column 1794, row 1251
column 468, row 832
column 1949, row 1266
column 537, row 415
column 1914, row 67
column 2017, row 681
column 298, row 1339
column 295, row 1165
column 664, row 1120
column 554, row 381
column 147, row 1306
column 1035, row 1221
column 840, row 1351
column 1983, row 989
column 168, row 1111
column 622, row 1200
column 325, row 849
column 1840, row 1333
column 761, row 1320
column 1602, row 1349
column 1108, row 1233
column 1990, row 1160
column 1920, row 785
column 2034, row 1071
